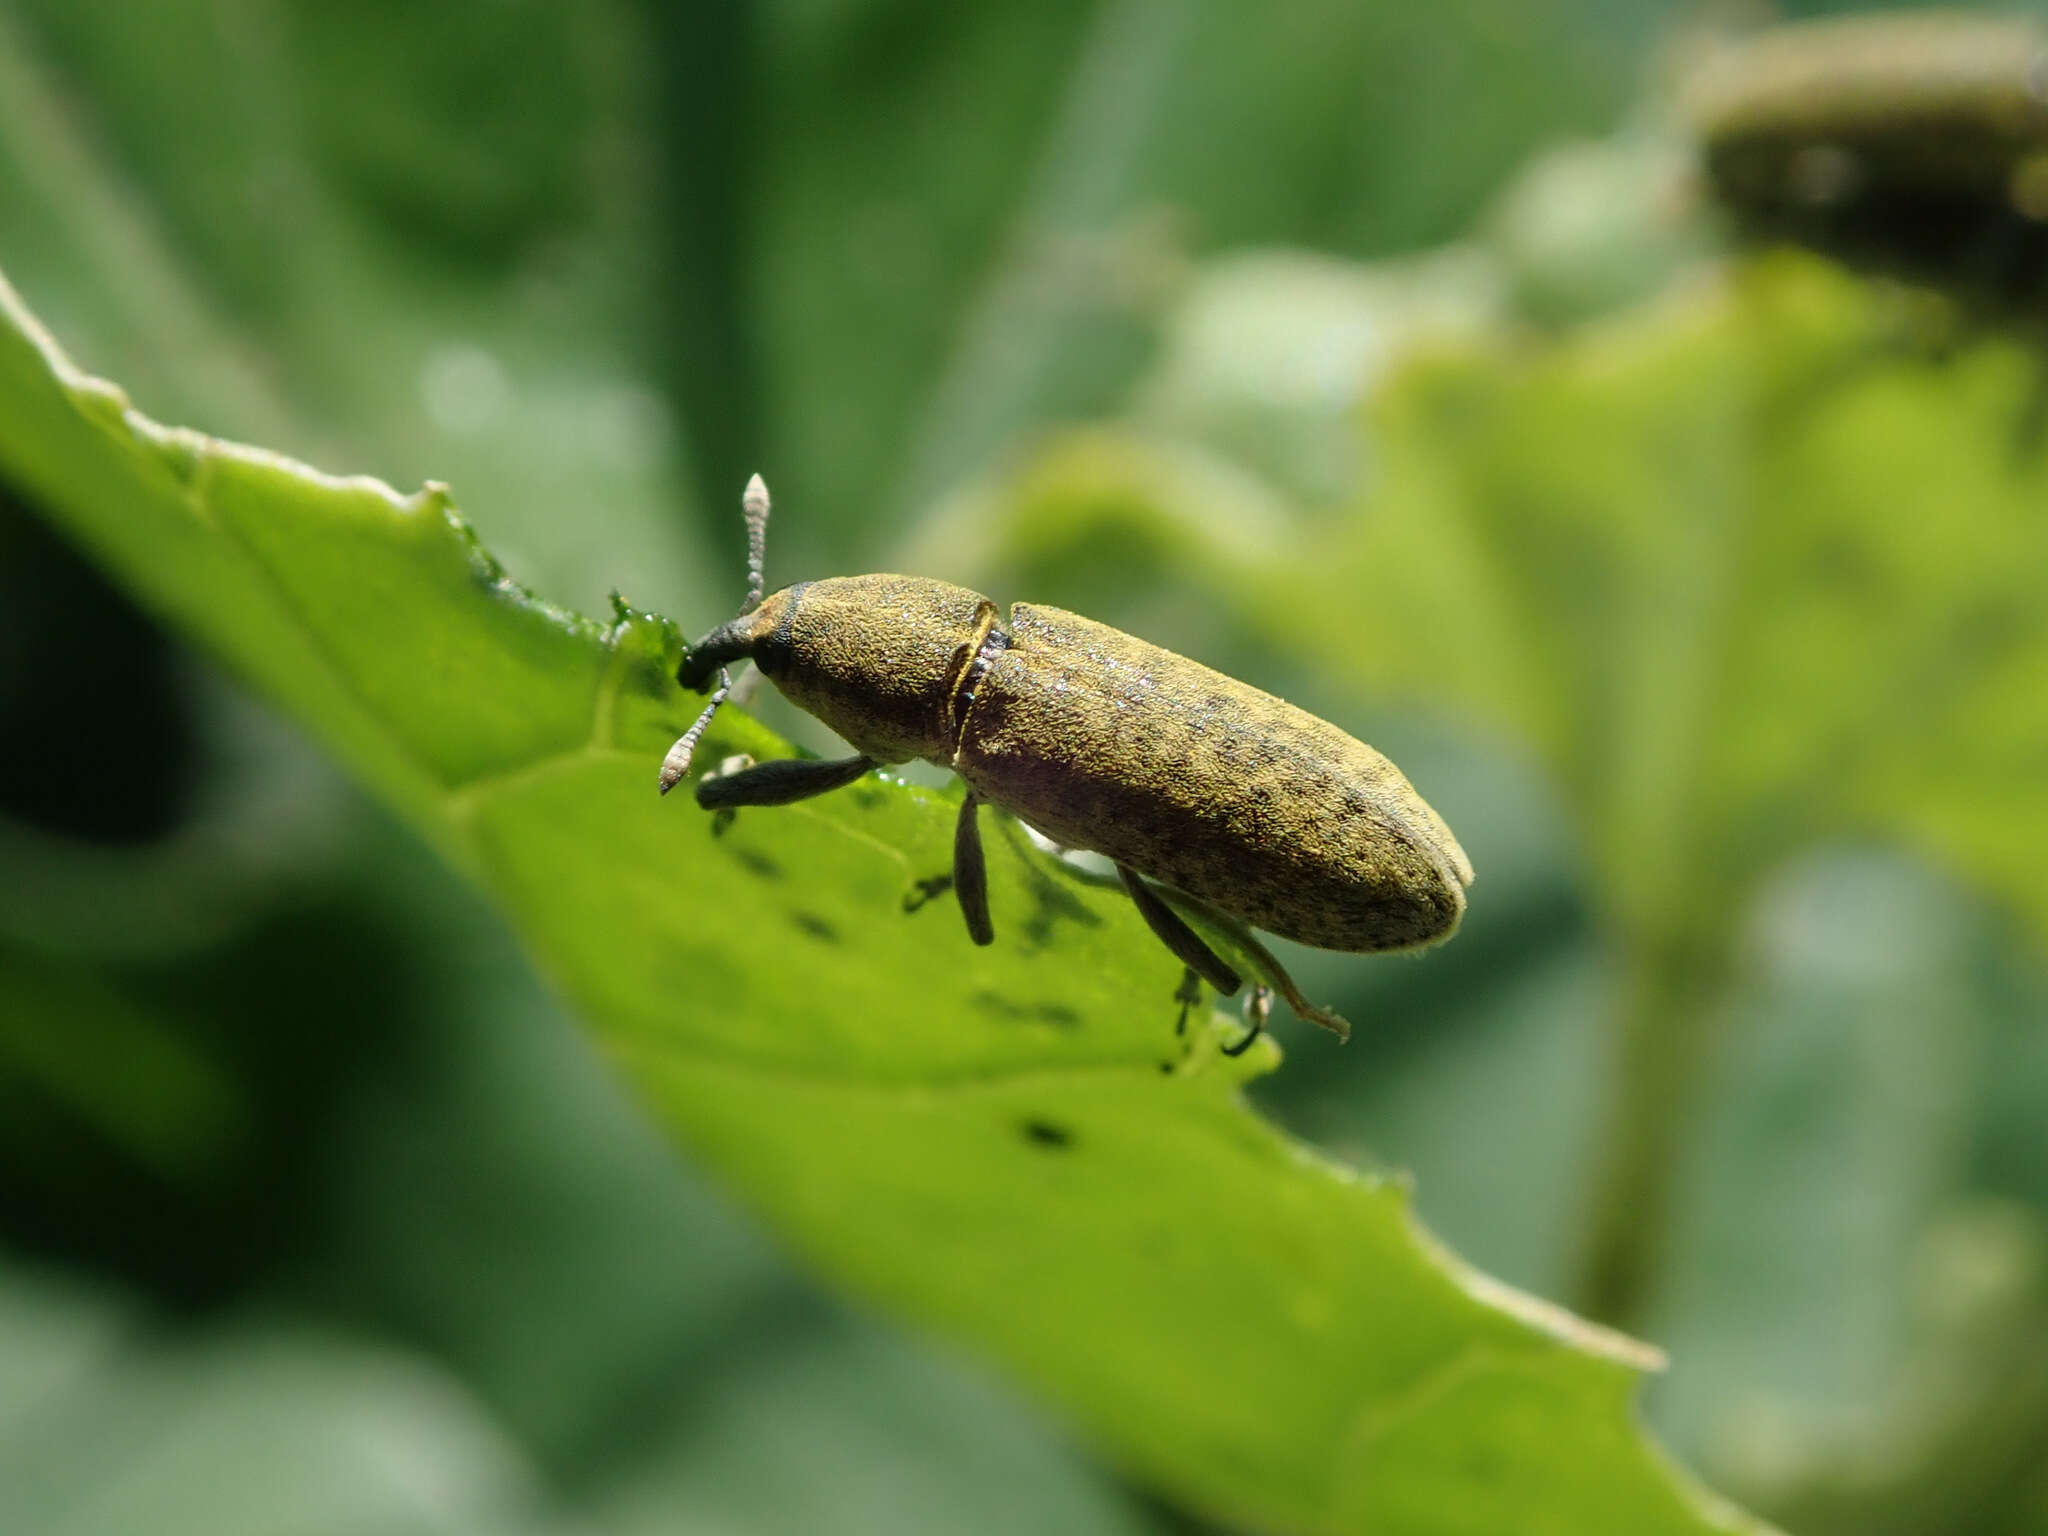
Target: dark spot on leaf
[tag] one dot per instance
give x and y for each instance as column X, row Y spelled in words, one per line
column 1056, row 1014
column 1051, row 904
column 1044, row 1133
column 815, row 926
column 758, row 863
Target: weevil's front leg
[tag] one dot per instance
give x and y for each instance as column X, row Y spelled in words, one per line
column 781, row 782
column 970, row 872
column 1177, row 936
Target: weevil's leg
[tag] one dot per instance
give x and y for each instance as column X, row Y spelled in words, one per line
column 1187, row 995
column 1268, row 965
column 779, row 782
column 722, row 818
column 1258, row 1007
column 1178, row 936
column 970, row 872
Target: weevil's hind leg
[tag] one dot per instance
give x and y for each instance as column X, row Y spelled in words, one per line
column 970, row 872
column 1268, row 965
column 781, row 782
column 1178, row 936
column 1258, row 1007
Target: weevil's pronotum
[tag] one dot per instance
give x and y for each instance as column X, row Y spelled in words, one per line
column 1208, row 795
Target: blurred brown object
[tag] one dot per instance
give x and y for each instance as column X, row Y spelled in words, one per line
column 1913, row 144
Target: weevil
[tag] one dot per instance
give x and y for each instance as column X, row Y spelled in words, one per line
column 1912, row 143
column 1209, row 796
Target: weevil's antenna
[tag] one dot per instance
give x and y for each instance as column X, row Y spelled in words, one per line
column 677, row 763
column 754, row 503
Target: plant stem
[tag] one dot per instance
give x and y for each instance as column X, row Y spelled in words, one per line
column 1661, row 1041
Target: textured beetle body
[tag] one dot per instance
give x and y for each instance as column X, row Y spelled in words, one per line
column 1106, row 743
column 1209, row 786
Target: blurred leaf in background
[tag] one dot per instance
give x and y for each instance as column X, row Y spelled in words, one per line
column 1719, row 620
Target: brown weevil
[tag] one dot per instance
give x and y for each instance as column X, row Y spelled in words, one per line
column 1910, row 143
column 1208, row 795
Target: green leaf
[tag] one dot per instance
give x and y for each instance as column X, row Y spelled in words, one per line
column 982, row 1140
column 387, row 245
column 1755, row 572
column 1758, row 571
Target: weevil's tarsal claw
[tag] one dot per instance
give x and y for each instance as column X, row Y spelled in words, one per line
column 1322, row 1018
column 1325, row 1018
column 1258, row 1007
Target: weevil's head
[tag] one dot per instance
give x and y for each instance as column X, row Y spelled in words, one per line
column 875, row 658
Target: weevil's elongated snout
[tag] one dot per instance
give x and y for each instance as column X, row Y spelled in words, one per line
column 732, row 642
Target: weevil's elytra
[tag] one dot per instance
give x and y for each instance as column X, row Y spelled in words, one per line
column 1207, row 785
column 1209, row 795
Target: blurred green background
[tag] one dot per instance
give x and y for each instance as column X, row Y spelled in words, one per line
column 1394, row 357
